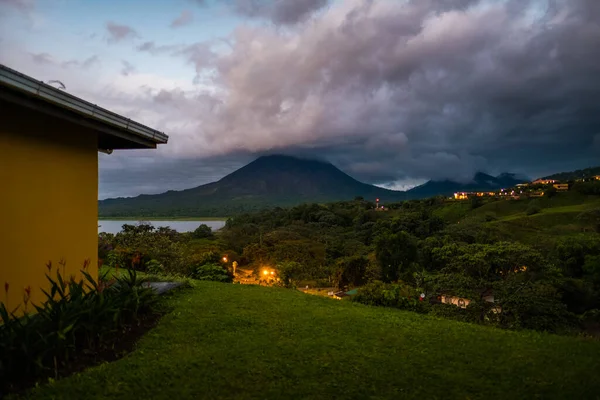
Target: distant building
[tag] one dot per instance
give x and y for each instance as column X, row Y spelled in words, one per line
column 536, row 194
column 597, row 177
column 561, row 186
column 544, row 181
column 466, row 195
column 522, row 184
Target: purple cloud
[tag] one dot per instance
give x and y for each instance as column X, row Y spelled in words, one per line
column 280, row 12
column 119, row 32
column 185, row 18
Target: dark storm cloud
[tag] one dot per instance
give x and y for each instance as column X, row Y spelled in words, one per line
column 399, row 91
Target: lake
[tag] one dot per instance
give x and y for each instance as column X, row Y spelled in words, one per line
column 114, row 226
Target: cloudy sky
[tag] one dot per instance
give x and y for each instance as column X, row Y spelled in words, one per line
column 394, row 92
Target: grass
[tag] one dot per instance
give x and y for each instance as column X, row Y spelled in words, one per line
column 246, row 342
column 162, row 218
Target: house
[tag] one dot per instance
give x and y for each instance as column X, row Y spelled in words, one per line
column 544, row 181
column 561, row 186
column 462, row 302
column 49, row 141
column 597, row 177
column 461, row 196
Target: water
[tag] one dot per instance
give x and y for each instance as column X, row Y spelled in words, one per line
column 113, row 226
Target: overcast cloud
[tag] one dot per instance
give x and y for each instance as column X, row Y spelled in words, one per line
column 393, row 92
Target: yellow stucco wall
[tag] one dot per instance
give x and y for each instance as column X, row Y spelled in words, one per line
column 48, row 203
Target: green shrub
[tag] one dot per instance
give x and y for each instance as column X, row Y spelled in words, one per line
column 391, row 295
column 155, row 267
column 212, row 272
column 533, row 208
column 76, row 315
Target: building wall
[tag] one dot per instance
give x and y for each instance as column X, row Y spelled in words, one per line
column 48, row 206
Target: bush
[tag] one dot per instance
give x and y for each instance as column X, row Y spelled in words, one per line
column 533, row 208
column 212, row 272
column 391, row 295
column 76, row 315
column 154, row 267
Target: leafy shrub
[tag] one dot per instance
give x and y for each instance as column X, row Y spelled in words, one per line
column 212, row 272
column 155, row 267
column 533, row 208
column 76, row 315
column 390, row 295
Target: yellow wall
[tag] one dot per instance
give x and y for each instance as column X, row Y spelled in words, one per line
column 48, row 201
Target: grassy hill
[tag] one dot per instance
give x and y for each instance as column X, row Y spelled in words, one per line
column 246, row 342
column 573, row 175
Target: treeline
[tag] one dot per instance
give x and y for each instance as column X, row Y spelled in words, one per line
column 412, row 250
column 519, row 273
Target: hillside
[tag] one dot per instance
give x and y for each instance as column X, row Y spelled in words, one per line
column 226, row 341
column 573, row 175
column 480, row 182
column 279, row 181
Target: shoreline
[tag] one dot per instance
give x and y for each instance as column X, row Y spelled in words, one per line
column 163, row 219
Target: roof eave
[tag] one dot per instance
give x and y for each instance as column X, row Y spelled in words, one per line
column 28, row 92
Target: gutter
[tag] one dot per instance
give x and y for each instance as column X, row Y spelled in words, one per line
column 12, row 79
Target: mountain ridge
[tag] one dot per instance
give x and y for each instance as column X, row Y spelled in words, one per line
column 278, row 180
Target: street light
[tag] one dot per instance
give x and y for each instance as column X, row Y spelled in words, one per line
column 225, row 259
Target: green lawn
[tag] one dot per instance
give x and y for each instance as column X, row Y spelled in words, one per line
column 245, row 342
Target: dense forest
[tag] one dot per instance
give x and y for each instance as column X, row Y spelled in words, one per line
column 538, row 259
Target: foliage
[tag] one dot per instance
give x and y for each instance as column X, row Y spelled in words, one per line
column 202, row 232
column 437, row 246
column 396, row 254
column 352, row 271
column 390, row 295
column 212, row 272
column 534, row 207
column 76, row 315
column 155, row 267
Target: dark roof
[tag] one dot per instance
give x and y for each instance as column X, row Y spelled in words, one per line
column 114, row 131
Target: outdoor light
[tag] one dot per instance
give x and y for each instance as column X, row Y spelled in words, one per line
column 272, row 273
column 224, row 259
column 266, row 272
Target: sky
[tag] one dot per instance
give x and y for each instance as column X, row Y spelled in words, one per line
column 393, row 92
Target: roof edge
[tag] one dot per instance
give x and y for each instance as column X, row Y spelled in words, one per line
column 20, row 82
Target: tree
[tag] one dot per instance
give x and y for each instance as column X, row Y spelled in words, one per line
column 352, row 271
column 395, row 254
column 550, row 192
column 202, row 232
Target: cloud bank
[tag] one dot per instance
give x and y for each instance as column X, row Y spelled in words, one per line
column 393, row 92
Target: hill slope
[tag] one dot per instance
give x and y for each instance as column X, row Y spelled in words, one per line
column 250, row 342
column 579, row 174
column 480, row 182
